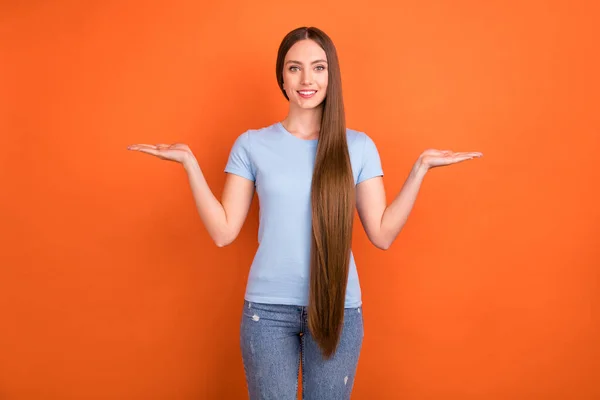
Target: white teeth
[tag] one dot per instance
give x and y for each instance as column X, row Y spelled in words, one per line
column 308, row 93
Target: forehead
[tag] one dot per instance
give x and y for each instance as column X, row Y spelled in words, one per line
column 306, row 50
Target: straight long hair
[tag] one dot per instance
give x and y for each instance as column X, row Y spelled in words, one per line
column 332, row 201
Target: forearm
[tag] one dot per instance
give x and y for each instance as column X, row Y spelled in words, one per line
column 209, row 207
column 396, row 214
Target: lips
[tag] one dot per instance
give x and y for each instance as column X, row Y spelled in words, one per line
column 306, row 94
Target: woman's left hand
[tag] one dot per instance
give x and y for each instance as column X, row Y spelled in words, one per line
column 437, row 158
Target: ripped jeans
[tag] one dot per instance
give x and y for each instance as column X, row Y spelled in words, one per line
column 275, row 339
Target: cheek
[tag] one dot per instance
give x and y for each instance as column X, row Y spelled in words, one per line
column 287, row 77
column 323, row 81
column 290, row 76
column 323, row 86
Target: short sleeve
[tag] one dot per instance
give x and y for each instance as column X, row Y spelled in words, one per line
column 371, row 163
column 240, row 162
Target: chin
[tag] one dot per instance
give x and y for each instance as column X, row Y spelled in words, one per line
column 311, row 104
column 310, row 107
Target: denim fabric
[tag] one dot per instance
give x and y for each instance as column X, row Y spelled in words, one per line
column 274, row 340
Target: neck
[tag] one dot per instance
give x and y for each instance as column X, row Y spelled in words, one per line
column 304, row 123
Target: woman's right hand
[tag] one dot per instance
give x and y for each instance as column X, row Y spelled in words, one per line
column 222, row 226
column 177, row 152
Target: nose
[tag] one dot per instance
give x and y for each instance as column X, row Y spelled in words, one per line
column 307, row 77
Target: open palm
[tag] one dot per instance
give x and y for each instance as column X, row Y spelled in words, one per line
column 177, row 152
column 436, row 158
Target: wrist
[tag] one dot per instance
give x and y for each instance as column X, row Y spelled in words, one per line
column 190, row 162
column 420, row 169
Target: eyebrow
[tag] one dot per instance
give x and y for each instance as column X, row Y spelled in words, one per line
column 298, row 62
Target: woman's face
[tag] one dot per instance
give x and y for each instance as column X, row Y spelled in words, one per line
column 305, row 74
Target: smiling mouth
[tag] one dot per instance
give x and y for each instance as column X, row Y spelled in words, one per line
column 307, row 93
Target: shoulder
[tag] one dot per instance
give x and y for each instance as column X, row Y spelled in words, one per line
column 256, row 134
column 357, row 140
column 250, row 137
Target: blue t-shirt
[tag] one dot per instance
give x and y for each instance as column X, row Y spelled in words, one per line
column 281, row 167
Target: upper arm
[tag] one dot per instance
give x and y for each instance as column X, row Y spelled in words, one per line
column 239, row 185
column 371, row 204
column 236, row 200
column 370, row 193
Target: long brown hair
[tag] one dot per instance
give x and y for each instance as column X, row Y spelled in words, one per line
column 332, row 199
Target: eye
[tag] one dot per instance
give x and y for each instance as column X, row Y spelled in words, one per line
column 293, row 68
column 320, row 68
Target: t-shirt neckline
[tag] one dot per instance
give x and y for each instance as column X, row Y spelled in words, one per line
column 306, row 142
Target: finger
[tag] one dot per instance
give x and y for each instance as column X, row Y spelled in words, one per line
column 467, row 154
column 154, row 152
column 437, row 153
column 447, row 153
column 470, row 153
column 141, row 146
column 461, row 158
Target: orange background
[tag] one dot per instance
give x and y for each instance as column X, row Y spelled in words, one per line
column 110, row 287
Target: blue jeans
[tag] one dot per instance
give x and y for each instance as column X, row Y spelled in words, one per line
column 275, row 339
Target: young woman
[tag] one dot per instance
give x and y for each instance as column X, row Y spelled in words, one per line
column 303, row 299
